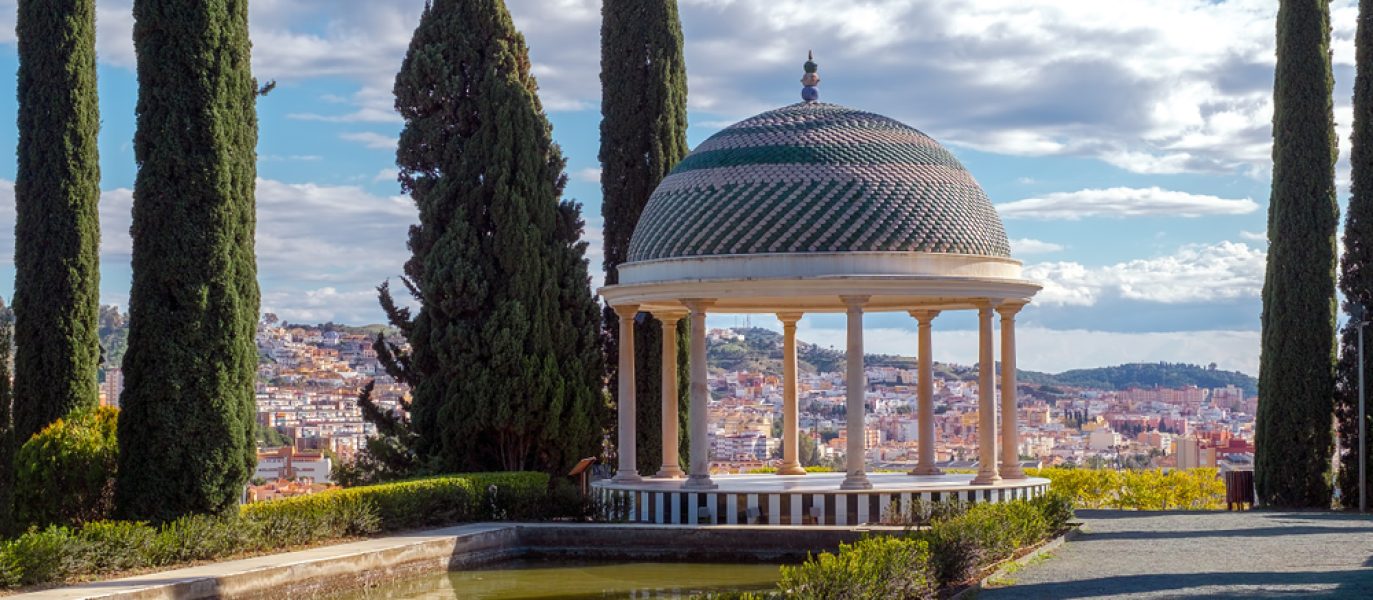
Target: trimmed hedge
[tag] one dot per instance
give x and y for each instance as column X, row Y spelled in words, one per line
column 102, row 547
column 1147, row 489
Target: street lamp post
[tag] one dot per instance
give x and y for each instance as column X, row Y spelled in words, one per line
column 1357, row 312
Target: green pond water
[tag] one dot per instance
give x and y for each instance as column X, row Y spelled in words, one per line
column 527, row 579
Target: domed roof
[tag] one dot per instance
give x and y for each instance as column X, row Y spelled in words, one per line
column 812, row 178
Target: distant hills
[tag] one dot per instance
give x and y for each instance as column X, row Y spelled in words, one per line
column 761, row 350
column 1145, row 375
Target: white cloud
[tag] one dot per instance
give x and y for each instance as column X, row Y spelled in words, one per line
column 320, row 249
column 1153, row 86
column 370, row 139
column 589, row 175
column 1261, row 236
column 1031, row 246
column 1123, row 202
column 1195, row 273
column 386, row 175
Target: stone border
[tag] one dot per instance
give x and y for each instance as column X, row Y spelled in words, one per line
column 359, row 565
column 970, row 592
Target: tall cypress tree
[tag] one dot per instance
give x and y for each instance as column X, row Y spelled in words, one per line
column 1296, row 372
column 186, row 430
column 1356, row 276
column 505, row 356
column 643, row 135
column 57, row 221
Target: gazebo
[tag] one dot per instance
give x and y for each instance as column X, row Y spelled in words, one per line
column 817, row 208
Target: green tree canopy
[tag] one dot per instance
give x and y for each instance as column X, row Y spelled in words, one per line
column 505, row 347
column 57, row 217
column 1296, row 369
column 186, row 429
column 1356, row 274
column 643, row 136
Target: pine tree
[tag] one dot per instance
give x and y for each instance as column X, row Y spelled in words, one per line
column 1296, row 372
column 57, row 220
column 186, row 430
column 1356, row 276
column 8, row 447
column 505, row 354
column 643, row 136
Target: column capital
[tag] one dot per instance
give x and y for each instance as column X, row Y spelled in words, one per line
column 854, row 301
column 626, row 311
column 789, row 318
column 669, row 316
column 986, row 304
column 923, row 315
column 698, row 305
column 1009, row 309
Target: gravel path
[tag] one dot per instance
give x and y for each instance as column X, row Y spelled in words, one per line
column 1259, row 554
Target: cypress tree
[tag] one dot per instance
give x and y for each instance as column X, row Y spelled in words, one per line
column 1296, row 372
column 57, row 221
column 505, row 355
column 1356, row 276
column 643, row 136
column 186, row 430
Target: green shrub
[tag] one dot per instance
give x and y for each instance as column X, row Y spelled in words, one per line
column 874, row 567
column 40, row 556
column 10, row 574
column 65, row 473
column 1057, row 508
column 110, row 546
column 196, row 537
column 961, row 546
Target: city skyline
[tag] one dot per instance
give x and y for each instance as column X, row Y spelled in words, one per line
column 1133, row 184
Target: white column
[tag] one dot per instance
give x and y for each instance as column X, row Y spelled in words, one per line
column 925, row 412
column 791, row 463
column 857, row 478
column 699, row 472
column 671, row 468
column 986, row 395
column 627, row 471
column 1010, row 429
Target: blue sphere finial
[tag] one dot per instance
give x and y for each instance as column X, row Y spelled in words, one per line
column 809, row 92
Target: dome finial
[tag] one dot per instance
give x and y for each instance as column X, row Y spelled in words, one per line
column 809, row 92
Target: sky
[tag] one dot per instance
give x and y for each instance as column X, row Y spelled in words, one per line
column 1126, row 145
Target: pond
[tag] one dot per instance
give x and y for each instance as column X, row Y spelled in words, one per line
column 532, row 579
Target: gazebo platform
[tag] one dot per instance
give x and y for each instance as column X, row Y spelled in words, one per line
column 813, row 499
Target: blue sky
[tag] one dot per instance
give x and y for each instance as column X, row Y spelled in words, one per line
column 1125, row 143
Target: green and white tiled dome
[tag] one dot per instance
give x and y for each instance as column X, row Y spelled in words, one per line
column 818, row 178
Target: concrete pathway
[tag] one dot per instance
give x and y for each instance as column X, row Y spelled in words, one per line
column 1259, row 554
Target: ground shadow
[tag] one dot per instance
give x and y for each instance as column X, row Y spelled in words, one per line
column 1346, row 584
column 1089, row 535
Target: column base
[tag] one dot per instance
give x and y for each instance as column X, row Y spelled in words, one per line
column 669, row 472
column 795, row 469
column 699, row 482
column 986, row 478
column 1013, row 472
column 627, row 477
column 926, row 470
column 856, row 481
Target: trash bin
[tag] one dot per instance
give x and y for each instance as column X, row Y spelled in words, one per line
column 1239, row 489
